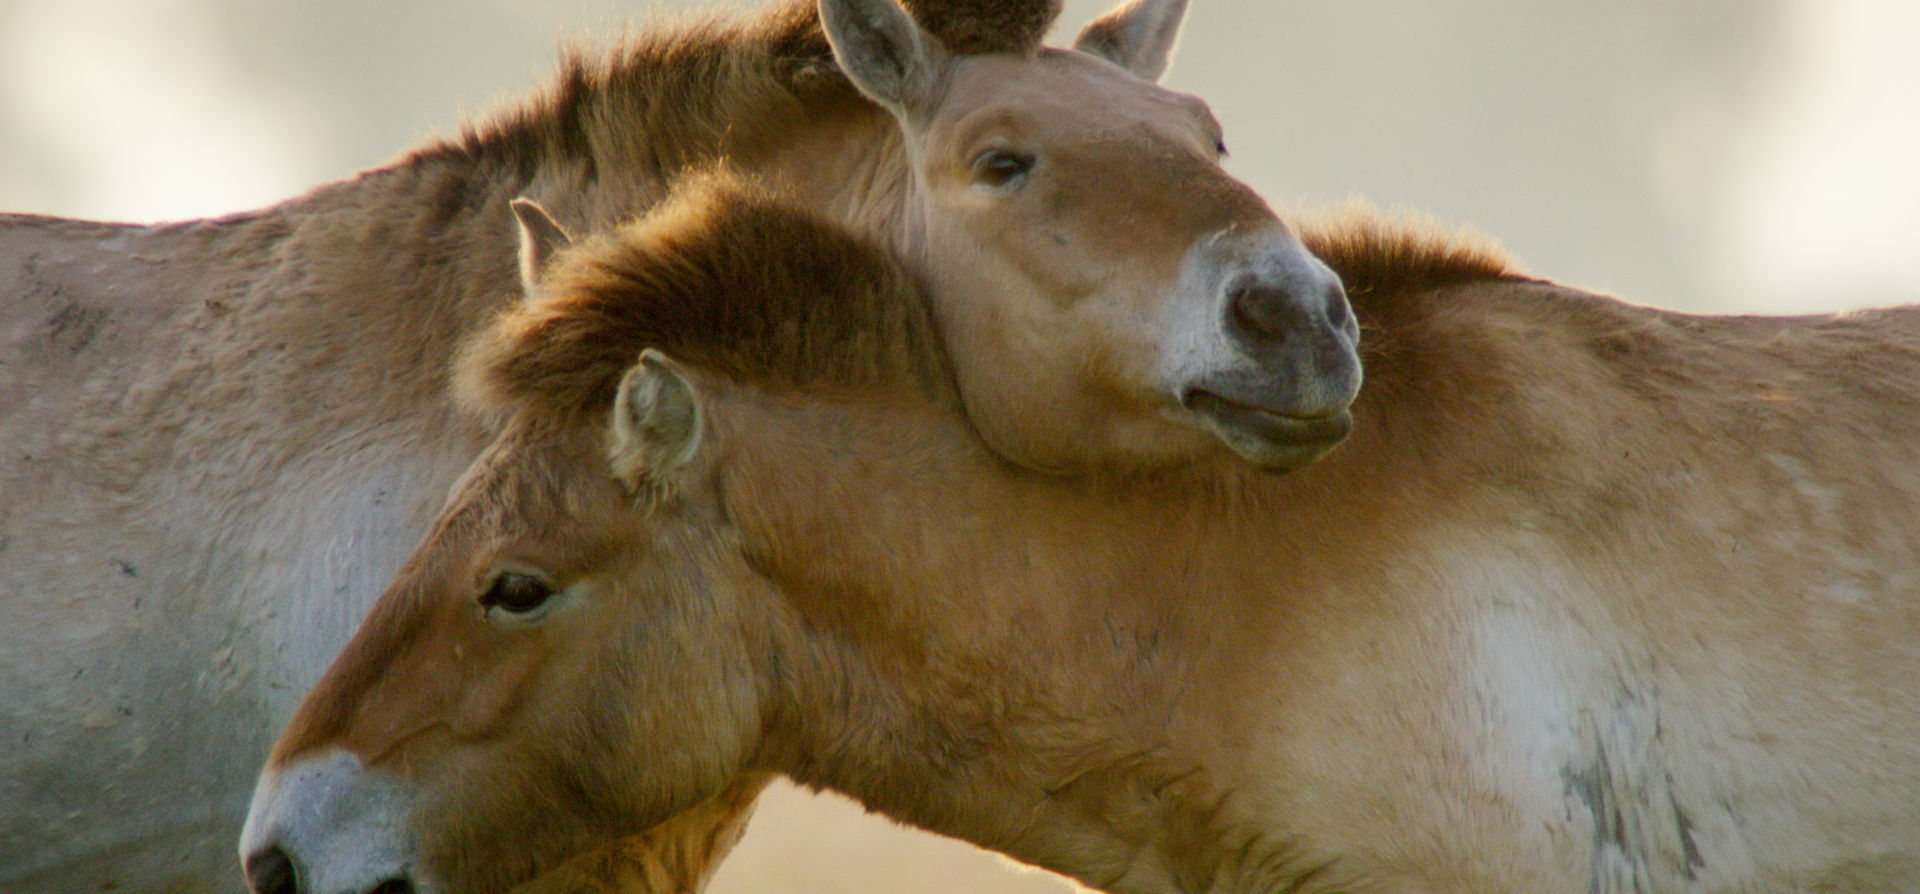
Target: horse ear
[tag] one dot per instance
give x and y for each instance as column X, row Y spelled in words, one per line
column 657, row 422
column 540, row 239
column 1138, row 36
column 883, row 52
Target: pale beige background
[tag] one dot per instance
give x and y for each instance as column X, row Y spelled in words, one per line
column 1728, row 155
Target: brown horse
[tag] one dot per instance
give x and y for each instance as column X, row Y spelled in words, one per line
column 1597, row 598
column 204, row 421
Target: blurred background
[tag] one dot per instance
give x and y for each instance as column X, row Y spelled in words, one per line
column 1708, row 155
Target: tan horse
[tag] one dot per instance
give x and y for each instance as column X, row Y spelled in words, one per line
column 1597, row 598
column 220, row 436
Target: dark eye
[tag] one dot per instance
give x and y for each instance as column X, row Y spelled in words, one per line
column 1001, row 168
column 516, row 593
column 1220, row 148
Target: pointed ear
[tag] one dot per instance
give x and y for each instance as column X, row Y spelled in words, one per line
column 1138, row 36
column 540, row 239
column 884, row 53
column 657, row 422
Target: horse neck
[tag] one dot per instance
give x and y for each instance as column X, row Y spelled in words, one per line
column 258, row 337
column 1074, row 620
column 844, row 159
column 407, row 262
column 1441, row 415
column 1042, row 642
column 851, row 164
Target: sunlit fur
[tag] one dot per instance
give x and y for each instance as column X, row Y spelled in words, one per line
column 666, row 96
column 1597, row 598
column 1376, row 253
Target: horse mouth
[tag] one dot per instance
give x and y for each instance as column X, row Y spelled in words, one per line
column 1271, row 439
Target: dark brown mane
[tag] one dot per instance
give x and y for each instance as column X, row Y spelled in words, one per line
column 1376, row 255
column 720, row 276
column 696, row 78
column 986, row 26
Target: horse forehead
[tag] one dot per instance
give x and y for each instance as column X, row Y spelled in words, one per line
column 1065, row 90
column 524, row 485
column 1122, row 142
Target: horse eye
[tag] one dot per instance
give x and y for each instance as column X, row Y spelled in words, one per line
column 516, row 593
column 1001, row 168
column 1220, row 148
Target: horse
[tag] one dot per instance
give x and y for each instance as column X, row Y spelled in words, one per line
column 222, row 434
column 1595, row 598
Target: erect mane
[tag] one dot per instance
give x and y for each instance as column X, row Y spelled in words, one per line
column 1381, row 256
column 720, row 276
column 688, row 82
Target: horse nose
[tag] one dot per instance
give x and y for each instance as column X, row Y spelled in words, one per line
column 323, row 824
column 271, row 872
column 1268, row 312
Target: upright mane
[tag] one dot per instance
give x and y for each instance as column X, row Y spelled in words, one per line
column 688, row 83
column 722, row 276
column 1382, row 255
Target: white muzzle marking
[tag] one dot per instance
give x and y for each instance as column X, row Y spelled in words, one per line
column 342, row 827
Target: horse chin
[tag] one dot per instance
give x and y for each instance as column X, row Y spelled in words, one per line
column 1271, row 440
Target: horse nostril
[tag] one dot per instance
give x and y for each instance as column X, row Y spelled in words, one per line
column 1264, row 313
column 1338, row 314
column 271, row 872
column 394, row 886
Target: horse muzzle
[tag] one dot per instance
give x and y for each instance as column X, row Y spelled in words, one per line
column 326, row 825
column 1275, row 439
column 1282, row 364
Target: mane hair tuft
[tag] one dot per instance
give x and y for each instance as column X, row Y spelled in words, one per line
column 720, row 276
